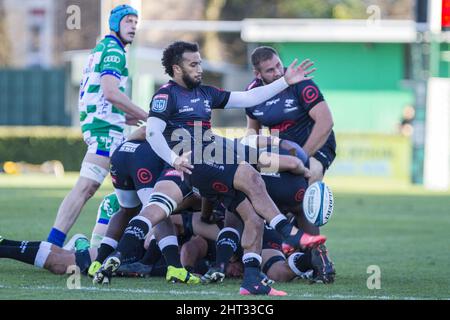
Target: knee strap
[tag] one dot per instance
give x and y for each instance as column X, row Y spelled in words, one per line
column 163, row 201
column 93, row 172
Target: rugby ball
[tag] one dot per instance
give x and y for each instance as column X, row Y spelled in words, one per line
column 318, row 203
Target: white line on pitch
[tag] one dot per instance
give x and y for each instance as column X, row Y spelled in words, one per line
column 203, row 292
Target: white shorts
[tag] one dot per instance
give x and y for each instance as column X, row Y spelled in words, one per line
column 103, row 144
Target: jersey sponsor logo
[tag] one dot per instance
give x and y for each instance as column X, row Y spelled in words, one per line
column 115, row 50
column 159, row 103
column 129, row 147
column 287, row 110
column 173, row 173
column 283, row 126
column 288, row 103
column 310, row 94
column 107, row 207
column 113, row 59
column 195, row 100
column 214, row 165
column 104, row 108
column 257, row 113
column 186, row 109
column 196, row 191
column 273, row 245
column 144, row 175
column 299, row 195
column 271, row 174
column 204, row 124
column 271, row 102
column 220, row 187
column 207, row 105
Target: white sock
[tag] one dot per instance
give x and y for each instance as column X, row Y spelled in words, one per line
column 42, row 254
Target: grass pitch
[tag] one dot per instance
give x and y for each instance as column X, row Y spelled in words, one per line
column 402, row 230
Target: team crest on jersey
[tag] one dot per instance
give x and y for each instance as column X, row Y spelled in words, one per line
column 159, row 103
column 310, row 94
column 144, row 175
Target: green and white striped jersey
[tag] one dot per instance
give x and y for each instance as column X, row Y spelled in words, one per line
column 97, row 114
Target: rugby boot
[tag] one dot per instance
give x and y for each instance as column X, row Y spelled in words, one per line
column 72, row 243
column 105, row 273
column 256, row 283
column 323, row 268
column 301, row 241
column 135, row 269
column 175, row 275
column 214, row 274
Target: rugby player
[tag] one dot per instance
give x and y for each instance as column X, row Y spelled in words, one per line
column 104, row 110
column 45, row 255
column 135, row 168
column 299, row 113
column 286, row 190
column 185, row 104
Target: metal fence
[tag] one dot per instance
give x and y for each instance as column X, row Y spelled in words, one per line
column 33, row 97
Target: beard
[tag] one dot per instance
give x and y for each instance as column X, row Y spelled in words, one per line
column 267, row 81
column 125, row 42
column 190, row 82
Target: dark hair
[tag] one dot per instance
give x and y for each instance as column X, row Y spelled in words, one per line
column 261, row 54
column 173, row 54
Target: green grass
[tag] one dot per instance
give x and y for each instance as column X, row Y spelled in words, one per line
column 402, row 229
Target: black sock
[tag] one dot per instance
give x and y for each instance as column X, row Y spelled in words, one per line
column 303, row 261
column 189, row 269
column 172, row 256
column 226, row 245
column 24, row 252
column 103, row 252
column 13, row 243
column 131, row 245
column 284, row 228
column 250, row 261
column 153, row 254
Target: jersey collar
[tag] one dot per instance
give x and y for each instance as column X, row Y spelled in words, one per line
column 173, row 82
column 117, row 40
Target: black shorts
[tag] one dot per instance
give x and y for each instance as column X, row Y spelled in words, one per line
column 169, row 173
column 135, row 166
column 285, row 189
column 213, row 178
column 327, row 153
column 188, row 229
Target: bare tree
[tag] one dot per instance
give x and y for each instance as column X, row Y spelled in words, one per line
column 5, row 47
column 212, row 47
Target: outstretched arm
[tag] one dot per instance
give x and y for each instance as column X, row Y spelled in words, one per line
column 293, row 75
